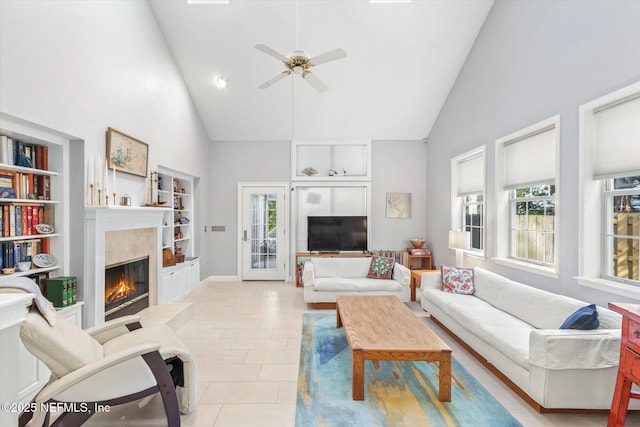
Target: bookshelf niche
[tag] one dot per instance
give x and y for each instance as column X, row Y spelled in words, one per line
column 27, row 218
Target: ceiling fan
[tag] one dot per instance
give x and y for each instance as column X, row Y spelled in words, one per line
column 300, row 62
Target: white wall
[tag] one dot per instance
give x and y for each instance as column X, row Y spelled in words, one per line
column 82, row 66
column 398, row 166
column 533, row 60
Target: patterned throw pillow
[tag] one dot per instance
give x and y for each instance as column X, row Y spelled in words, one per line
column 381, row 268
column 458, row 280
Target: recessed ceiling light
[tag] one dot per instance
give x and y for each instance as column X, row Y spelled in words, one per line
column 221, row 82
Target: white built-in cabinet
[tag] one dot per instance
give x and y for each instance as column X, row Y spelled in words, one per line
column 179, row 280
column 175, row 190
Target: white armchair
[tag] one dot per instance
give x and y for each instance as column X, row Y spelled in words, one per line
column 114, row 363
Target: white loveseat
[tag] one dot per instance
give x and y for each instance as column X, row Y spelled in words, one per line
column 515, row 328
column 324, row 278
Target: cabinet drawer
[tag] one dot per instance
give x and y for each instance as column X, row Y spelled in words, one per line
column 633, row 334
column 630, row 365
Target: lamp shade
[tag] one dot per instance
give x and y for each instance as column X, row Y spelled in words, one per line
column 459, row 239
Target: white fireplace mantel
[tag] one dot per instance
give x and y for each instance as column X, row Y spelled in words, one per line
column 98, row 221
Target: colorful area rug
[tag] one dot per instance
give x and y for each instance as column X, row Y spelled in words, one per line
column 396, row 393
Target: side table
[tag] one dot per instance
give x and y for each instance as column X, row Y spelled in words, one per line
column 629, row 367
column 416, row 276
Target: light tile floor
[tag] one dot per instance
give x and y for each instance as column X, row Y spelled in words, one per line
column 245, row 337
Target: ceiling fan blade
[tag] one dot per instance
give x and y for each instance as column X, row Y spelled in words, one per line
column 315, row 82
column 271, row 52
column 269, row 82
column 332, row 55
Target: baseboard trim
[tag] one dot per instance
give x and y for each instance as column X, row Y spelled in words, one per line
column 524, row 396
column 223, row 279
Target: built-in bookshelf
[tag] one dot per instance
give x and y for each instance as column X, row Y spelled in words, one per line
column 176, row 191
column 37, row 185
column 27, row 209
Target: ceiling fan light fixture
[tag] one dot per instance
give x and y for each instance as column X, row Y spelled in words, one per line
column 297, row 69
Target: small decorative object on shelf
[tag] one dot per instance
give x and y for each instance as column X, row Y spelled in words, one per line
column 417, row 242
column 419, row 251
column 309, row 171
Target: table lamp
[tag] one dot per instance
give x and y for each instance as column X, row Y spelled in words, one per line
column 459, row 240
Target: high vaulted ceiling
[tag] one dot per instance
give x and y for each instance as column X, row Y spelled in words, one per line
column 402, row 60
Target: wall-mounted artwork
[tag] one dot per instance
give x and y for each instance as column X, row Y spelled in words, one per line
column 126, row 153
column 398, row 205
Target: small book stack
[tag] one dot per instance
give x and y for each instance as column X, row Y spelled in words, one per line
column 62, row 291
column 421, row 251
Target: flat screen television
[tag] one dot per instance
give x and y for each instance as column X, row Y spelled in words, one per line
column 336, row 233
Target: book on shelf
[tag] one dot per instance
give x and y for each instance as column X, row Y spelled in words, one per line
column 419, row 251
column 21, row 219
column 61, row 291
column 11, row 253
column 16, row 152
column 401, row 257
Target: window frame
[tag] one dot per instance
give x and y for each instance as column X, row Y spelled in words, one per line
column 609, row 194
column 502, row 204
column 513, row 202
column 591, row 200
column 458, row 204
column 469, row 226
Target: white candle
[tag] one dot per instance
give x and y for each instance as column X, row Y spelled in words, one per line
column 98, row 174
column 106, row 176
column 91, row 176
column 114, row 179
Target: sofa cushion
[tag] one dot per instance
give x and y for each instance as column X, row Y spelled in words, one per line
column 457, row 280
column 381, row 268
column 341, row 267
column 334, row 284
column 507, row 334
column 527, row 302
column 366, row 284
column 584, row 318
column 363, row 284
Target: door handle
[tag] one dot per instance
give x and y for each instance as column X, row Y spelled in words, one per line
column 244, row 235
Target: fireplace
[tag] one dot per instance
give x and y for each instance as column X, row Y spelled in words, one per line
column 126, row 288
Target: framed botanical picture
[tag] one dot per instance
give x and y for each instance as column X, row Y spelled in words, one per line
column 126, row 153
column 398, row 205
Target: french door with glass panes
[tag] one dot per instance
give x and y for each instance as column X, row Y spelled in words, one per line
column 262, row 234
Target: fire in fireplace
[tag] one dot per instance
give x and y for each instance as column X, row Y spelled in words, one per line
column 126, row 288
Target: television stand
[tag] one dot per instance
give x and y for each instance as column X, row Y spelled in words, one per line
column 302, row 257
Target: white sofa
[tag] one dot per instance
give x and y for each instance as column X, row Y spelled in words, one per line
column 515, row 328
column 324, row 278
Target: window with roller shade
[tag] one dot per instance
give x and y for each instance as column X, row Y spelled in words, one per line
column 527, row 197
column 467, row 196
column 609, row 214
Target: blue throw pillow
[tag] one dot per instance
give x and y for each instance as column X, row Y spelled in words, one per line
column 583, row 318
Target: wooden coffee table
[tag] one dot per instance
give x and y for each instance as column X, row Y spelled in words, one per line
column 384, row 328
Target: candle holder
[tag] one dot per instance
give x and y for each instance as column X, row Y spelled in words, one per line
column 106, row 199
column 99, row 196
column 114, row 198
column 91, row 194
